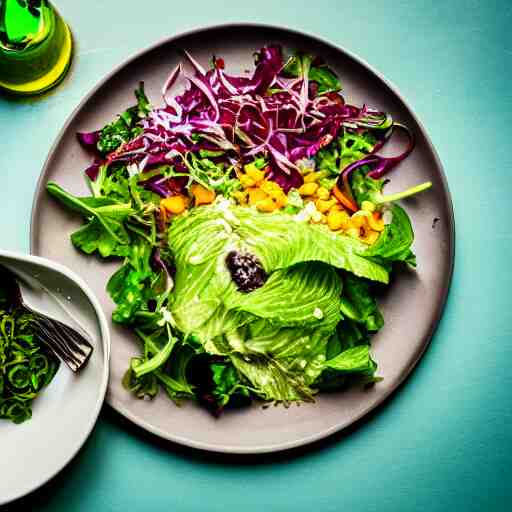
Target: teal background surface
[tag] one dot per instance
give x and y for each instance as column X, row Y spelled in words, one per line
column 445, row 438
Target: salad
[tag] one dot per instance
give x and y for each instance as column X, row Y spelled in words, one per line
column 26, row 364
column 249, row 218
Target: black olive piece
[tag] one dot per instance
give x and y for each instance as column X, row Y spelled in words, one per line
column 246, row 271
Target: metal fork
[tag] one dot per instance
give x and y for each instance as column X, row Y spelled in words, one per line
column 66, row 343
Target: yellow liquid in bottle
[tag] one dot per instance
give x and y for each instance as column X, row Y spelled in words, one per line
column 36, row 46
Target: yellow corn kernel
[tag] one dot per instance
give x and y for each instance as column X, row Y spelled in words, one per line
column 336, row 207
column 370, row 237
column 322, row 193
column 266, row 205
column 279, row 195
column 201, row 194
column 240, row 196
column 359, row 220
column 247, row 181
column 346, row 223
column 281, row 200
column 312, row 177
column 271, row 188
column 255, row 195
column 353, row 232
column 253, row 172
column 376, row 222
column 308, row 189
column 275, row 192
column 174, row 204
column 368, row 206
column 323, row 205
column 335, row 219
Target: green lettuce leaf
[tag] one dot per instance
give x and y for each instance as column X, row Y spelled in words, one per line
column 280, row 241
column 134, row 283
column 301, row 64
column 304, row 295
column 201, row 240
column 169, row 370
column 353, row 146
column 271, row 380
column 359, row 305
column 352, row 366
column 222, row 321
column 112, row 181
column 173, row 376
column 352, row 334
column 276, row 336
column 301, row 351
column 281, row 353
column 228, row 386
column 347, row 148
column 353, row 360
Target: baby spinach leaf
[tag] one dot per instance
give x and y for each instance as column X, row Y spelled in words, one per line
column 108, row 213
column 394, row 243
column 93, row 237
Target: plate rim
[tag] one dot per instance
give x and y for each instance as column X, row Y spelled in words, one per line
column 105, row 341
column 436, row 317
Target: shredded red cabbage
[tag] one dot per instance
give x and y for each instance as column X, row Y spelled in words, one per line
column 379, row 165
column 89, row 139
column 267, row 114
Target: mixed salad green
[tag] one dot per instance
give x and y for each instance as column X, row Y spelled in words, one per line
column 253, row 231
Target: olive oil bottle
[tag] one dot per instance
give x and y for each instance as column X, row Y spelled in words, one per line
column 35, row 46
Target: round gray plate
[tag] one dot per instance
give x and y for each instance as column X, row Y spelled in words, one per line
column 66, row 411
column 412, row 306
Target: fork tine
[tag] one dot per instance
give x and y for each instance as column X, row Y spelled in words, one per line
column 72, row 346
column 78, row 344
column 57, row 348
column 53, row 337
column 69, row 343
column 82, row 345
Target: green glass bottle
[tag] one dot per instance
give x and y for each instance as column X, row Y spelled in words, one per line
column 35, row 46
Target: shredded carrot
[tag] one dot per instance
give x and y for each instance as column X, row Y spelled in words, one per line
column 343, row 199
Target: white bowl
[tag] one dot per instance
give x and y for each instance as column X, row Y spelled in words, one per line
column 66, row 411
